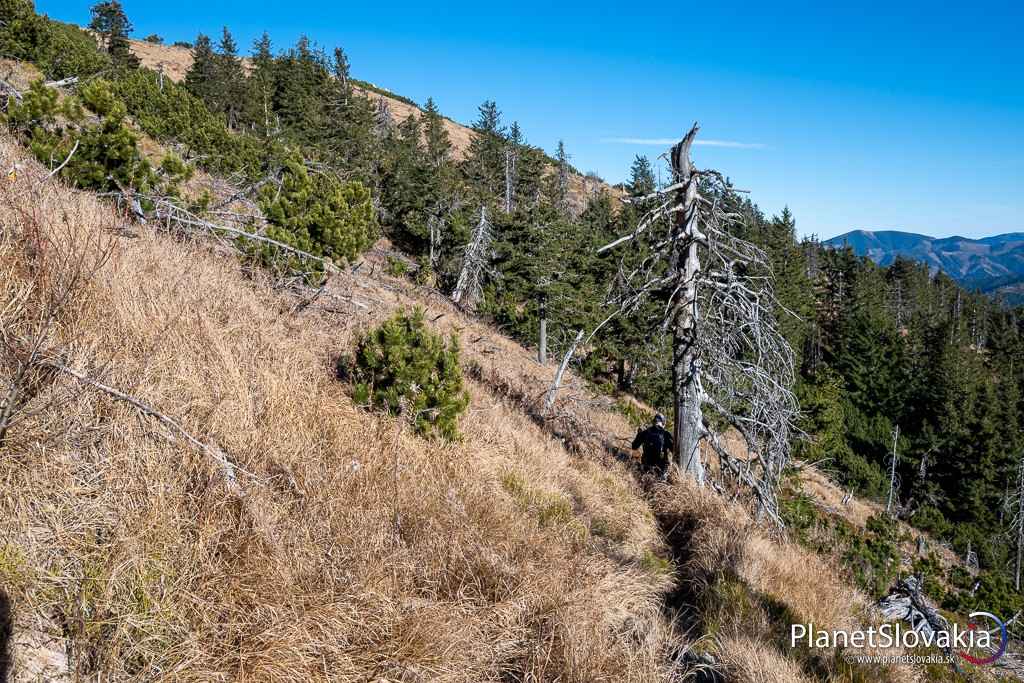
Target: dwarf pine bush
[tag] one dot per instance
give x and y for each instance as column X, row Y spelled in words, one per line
column 107, row 157
column 319, row 214
column 401, row 366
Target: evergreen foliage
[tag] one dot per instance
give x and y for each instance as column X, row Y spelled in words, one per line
column 107, row 157
column 405, row 368
column 877, row 347
column 59, row 50
column 170, row 113
column 319, row 214
column 111, row 23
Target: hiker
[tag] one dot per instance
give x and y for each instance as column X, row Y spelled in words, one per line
column 657, row 445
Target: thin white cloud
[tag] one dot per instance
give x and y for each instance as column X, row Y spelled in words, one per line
column 700, row 143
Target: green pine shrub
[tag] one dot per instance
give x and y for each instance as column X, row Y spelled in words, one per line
column 929, row 518
column 319, row 214
column 168, row 112
column 994, row 593
column 59, row 50
column 931, row 572
column 108, row 157
column 397, row 267
column 874, row 556
column 403, row 367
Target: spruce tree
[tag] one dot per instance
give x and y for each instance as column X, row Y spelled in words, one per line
column 111, row 23
column 261, row 86
column 230, row 81
column 201, row 79
column 485, row 159
column 438, row 143
column 641, row 177
column 558, row 181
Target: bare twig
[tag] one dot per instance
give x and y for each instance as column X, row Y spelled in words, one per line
column 228, row 467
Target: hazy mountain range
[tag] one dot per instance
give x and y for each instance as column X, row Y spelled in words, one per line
column 994, row 265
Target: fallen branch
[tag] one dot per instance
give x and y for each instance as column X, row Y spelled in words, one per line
column 64, row 163
column 229, row 468
column 8, row 89
column 171, row 213
column 907, row 602
column 62, row 83
column 553, row 391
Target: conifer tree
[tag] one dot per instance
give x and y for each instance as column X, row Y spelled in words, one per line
column 229, row 81
column 641, row 177
column 201, row 79
column 261, row 86
column 111, row 23
column 485, row 160
column 301, row 83
column 558, row 181
column 320, row 214
column 438, row 143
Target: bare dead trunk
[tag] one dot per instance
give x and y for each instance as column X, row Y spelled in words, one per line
column 892, row 472
column 685, row 364
column 542, row 351
column 1020, row 525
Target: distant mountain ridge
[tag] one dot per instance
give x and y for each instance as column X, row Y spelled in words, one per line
column 993, row 264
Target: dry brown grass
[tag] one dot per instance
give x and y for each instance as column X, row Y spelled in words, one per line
column 748, row 587
column 362, row 552
column 509, row 558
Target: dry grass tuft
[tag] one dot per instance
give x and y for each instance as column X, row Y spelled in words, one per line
column 748, row 588
column 361, row 551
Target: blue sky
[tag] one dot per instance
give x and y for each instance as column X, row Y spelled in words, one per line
column 902, row 115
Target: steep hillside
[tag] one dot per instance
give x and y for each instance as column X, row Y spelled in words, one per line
column 175, row 62
column 1010, row 289
column 968, row 261
column 302, row 537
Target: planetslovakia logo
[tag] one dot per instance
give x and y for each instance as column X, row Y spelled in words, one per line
column 957, row 640
column 1003, row 639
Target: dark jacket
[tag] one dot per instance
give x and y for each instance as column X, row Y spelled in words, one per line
column 657, row 444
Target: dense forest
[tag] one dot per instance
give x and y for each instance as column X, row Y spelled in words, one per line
column 878, row 348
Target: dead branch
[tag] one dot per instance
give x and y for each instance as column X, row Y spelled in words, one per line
column 475, row 264
column 227, row 467
column 172, row 214
column 63, row 83
column 64, row 163
column 906, row 602
column 557, row 383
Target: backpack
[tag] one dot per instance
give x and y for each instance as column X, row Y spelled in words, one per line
column 654, row 446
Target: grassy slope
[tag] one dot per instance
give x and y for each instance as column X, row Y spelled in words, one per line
column 362, row 551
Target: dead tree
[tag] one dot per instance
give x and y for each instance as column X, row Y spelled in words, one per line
column 542, row 340
column 907, row 603
column 720, row 312
column 511, row 157
column 382, row 117
column 1014, row 503
column 1019, row 524
column 894, row 483
column 476, row 260
column 556, row 384
column 562, row 181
